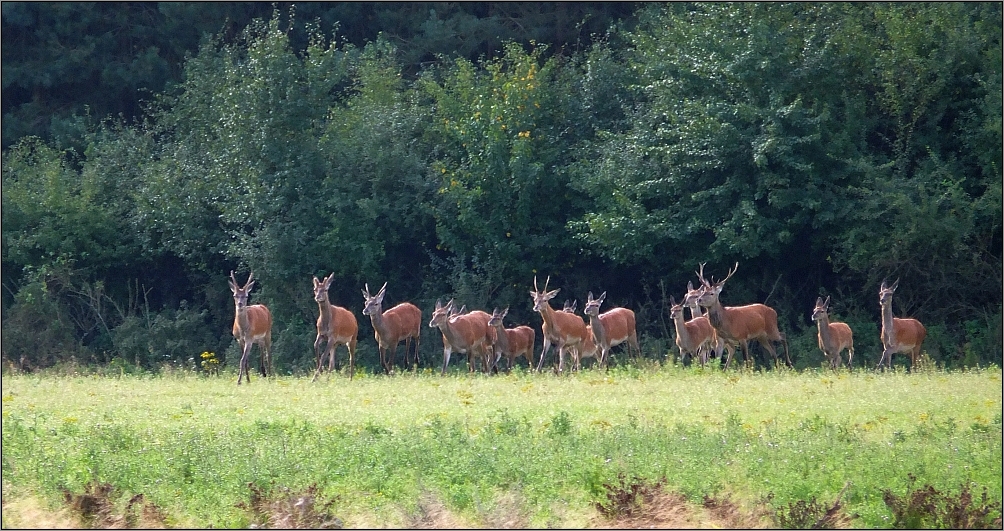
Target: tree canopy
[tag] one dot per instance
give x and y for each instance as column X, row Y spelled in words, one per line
column 461, row 150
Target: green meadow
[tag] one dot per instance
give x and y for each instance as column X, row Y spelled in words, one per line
column 538, row 446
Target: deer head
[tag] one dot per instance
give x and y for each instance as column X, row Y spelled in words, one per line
column 373, row 302
column 821, row 308
column 540, row 297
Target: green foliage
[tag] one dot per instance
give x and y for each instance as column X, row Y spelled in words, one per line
column 191, row 447
column 826, row 147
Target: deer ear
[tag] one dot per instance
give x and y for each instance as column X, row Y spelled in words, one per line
column 690, row 286
column 819, row 301
column 894, row 285
column 672, row 301
column 826, row 304
column 602, row 296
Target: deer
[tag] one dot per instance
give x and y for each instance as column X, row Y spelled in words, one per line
column 252, row 324
column 691, row 336
column 611, row 328
column 833, row 337
column 335, row 326
column 402, row 322
column 512, row 342
column 464, row 333
column 564, row 329
column 898, row 335
column 741, row 323
column 712, row 341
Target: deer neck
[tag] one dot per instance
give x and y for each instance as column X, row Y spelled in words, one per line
column 547, row 314
column 379, row 323
column 695, row 310
column 599, row 332
column 823, row 324
column 887, row 329
column 455, row 339
column 716, row 316
column 681, row 329
column 324, row 308
column 501, row 338
column 241, row 317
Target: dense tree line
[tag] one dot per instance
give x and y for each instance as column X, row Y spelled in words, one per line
column 824, row 147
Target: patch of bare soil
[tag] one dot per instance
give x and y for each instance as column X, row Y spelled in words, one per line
column 97, row 509
column 433, row 514
column 284, row 509
column 633, row 504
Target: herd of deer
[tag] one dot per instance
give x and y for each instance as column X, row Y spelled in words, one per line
column 712, row 328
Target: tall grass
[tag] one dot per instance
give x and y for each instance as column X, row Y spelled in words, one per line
column 379, row 444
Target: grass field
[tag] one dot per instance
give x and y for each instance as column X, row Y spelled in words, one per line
column 521, row 450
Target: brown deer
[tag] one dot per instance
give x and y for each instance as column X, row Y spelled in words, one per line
column 691, row 336
column 898, row 335
column 611, row 328
column 564, row 329
column 252, row 324
column 463, row 333
column 402, row 322
column 336, row 326
column 712, row 341
column 741, row 323
column 833, row 337
column 511, row 342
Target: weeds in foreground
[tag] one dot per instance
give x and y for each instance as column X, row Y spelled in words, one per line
column 625, row 497
column 97, row 509
column 280, row 508
column 927, row 508
column 812, row 514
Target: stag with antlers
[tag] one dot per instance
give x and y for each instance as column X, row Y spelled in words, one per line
column 565, row 330
column 898, row 335
column 402, row 322
column 252, row 324
column 741, row 323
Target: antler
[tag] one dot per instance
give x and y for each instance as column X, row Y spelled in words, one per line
column 732, row 272
column 700, row 275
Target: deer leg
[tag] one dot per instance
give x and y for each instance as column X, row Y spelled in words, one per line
column 543, row 353
column 317, row 356
column 352, row 357
column 446, row 359
column 332, row 356
column 242, row 367
column 390, row 362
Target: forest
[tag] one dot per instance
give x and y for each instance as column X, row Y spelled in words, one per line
column 461, row 150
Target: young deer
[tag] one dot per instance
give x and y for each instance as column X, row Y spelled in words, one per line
column 833, row 337
column 691, row 336
column 466, row 333
column 611, row 328
column 562, row 328
column 252, row 324
column 511, row 342
column 898, row 335
column 741, row 323
column 402, row 322
column 336, row 326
